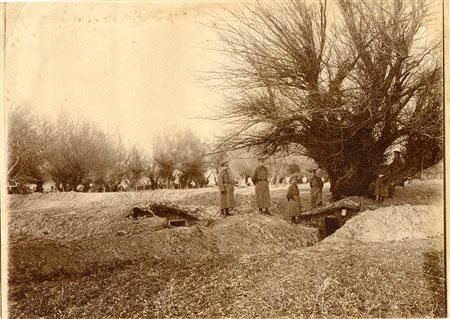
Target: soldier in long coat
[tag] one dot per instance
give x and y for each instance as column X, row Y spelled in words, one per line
column 293, row 197
column 261, row 182
column 225, row 182
column 382, row 183
column 397, row 164
column 316, row 185
column 395, row 172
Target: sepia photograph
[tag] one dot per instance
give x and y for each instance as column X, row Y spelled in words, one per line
column 223, row 159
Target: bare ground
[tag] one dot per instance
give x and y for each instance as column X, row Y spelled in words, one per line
column 76, row 255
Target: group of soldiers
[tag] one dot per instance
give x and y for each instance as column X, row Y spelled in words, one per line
column 260, row 179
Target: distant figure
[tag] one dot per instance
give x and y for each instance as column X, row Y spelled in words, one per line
column 293, row 197
column 225, row 183
column 381, row 183
column 176, row 183
column 123, row 185
column 397, row 164
column 80, row 188
column 316, row 185
column 260, row 180
column 396, row 177
column 39, row 187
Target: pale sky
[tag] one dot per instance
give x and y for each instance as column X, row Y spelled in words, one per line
column 134, row 67
column 128, row 66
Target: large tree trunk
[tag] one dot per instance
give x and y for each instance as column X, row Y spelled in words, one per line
column 352, row 176
column 355, row 185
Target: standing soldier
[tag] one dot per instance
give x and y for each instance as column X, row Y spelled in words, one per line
column 316, row 185
column 395, row 172
column 261, row 182
column 397, row 163
column 381, row 183
column 293, row 197
column 225, row 183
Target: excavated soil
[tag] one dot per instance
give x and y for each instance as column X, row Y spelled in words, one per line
column 77, row 255
column 393, row 223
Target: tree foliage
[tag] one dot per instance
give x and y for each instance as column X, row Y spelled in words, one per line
column 73, row 151
column 27, row 143
column 341, row 91
column 79, row 151
column 180, row 150
column 193, row 164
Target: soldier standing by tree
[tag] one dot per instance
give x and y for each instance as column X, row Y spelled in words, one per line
column 316, row 185
column 381, row 183
column 395, row 172
column 225, row 183
column 397, row 163
column 293, row 197
column 340, row 89
column 261, row 182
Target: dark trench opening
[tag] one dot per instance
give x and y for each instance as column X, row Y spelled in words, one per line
column 331, row 225
column 175, row 216
column 327, row 220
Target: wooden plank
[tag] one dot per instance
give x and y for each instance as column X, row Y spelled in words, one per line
column 178, row 222
column 334, row 208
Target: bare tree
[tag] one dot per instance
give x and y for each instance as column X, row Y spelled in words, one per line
column 243, row 165
column 79, row 151
column 341, row 91
column 27, row 143
column 215, row 159
column 166, row 153
column 192, row 161
column 136, row 161
column 180, row 150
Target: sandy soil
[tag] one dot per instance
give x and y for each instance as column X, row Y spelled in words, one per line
column 393, row 223
column 77, row 255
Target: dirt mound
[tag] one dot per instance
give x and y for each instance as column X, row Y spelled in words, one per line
column 256, row 233
column 433, row 172
column 236, row 235
column 73, row 215
column 392, row 224
column 76, row 255
column 72, row 200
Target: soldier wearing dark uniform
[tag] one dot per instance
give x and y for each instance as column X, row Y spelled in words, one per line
column 261, row 182
column 397, row 163
column 381, row 183
column 316, row 185
column 395, row 172
column 225, row 182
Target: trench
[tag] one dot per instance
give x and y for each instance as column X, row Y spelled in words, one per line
column 328, row 220
column 331, row 224
column 176, row 217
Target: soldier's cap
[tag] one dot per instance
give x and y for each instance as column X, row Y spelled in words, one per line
column 261, row 159
column 224, row 163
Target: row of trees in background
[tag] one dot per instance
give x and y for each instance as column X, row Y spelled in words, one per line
column 72, row 152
